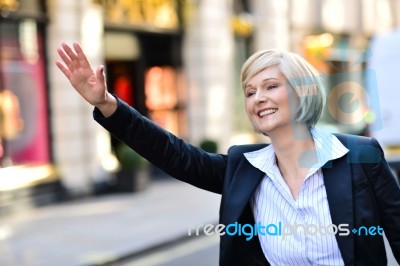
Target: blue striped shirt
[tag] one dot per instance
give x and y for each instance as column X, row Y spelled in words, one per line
column 303, row 220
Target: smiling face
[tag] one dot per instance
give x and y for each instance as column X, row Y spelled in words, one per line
column 269, row 102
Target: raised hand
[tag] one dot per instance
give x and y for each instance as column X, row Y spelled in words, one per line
column 89, row 83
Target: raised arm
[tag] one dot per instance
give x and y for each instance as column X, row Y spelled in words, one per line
column 171, row 154
column 89, row 83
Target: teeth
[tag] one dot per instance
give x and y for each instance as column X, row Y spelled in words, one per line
column 267, row 112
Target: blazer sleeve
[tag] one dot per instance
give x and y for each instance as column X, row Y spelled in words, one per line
column 163, row 149
column 387, row 194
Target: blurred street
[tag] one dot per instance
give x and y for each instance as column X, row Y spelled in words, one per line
column 149, row 228
column 105, row 229
column 193, row 251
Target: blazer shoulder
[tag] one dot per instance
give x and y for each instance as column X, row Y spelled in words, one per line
column 238, row 150
column 347, row 139
column 361, row 149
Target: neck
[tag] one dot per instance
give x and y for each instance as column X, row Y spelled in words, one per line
column 295, row 154
column 292, row 147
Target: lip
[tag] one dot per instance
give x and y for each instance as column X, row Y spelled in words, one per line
column 266, row 111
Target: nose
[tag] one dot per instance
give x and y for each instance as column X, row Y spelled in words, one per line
column 261, row 96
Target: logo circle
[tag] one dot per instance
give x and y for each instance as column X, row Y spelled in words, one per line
column 348, row 102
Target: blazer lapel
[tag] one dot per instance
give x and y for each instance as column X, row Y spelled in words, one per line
column 338, row 185
column 244, row 183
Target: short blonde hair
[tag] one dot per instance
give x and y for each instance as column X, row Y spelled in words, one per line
column 302, row 77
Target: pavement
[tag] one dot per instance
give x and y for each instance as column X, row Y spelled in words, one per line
column 105, row 229
column 109, row 229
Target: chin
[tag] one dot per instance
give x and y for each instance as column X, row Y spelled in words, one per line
column 260, row 131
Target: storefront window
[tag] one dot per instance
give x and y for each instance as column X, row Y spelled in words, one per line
column 146, row 13
column 165, row 98
column 23, row 108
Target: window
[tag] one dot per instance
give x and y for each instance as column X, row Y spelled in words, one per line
column 23, row 108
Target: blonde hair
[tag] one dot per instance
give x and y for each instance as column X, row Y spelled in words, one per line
column 302, row 77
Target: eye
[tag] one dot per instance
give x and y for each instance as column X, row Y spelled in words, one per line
column 272, row 87
column 249, row 93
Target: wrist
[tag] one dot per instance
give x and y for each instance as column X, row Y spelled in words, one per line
column 109, row 105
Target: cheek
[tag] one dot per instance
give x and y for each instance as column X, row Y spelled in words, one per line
column 293, row 105
column 247, row 106
column 290, row 101
column 249, row 111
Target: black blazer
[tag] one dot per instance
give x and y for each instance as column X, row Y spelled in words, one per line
column 360, row 187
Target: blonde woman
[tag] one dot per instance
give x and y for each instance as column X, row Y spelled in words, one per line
column 302, row 196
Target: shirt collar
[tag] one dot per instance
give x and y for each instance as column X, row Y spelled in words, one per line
column 328, row 147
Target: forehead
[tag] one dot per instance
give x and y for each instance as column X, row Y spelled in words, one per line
column 272, row 73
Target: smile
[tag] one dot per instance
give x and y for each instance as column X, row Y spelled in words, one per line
column 267, row 112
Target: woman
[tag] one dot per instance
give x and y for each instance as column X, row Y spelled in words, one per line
column 306, row 192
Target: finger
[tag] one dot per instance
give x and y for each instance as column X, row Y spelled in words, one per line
column 64, row 57
column 68, row 50
column 71, row 54
column 63, row 69
column 84, row 62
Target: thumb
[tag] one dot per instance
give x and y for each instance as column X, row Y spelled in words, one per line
column 100, row 74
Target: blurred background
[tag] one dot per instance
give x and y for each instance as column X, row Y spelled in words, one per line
column 178, row 62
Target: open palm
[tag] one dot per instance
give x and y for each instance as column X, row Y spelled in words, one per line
column 88, row 83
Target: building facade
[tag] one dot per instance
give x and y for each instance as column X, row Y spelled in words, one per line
column 177, row 62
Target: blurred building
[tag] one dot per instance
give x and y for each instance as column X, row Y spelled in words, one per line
column 178, row 62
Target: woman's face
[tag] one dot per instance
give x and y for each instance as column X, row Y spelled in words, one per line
column 269, row 102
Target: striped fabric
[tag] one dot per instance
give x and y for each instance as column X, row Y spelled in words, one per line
column 273, row 203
